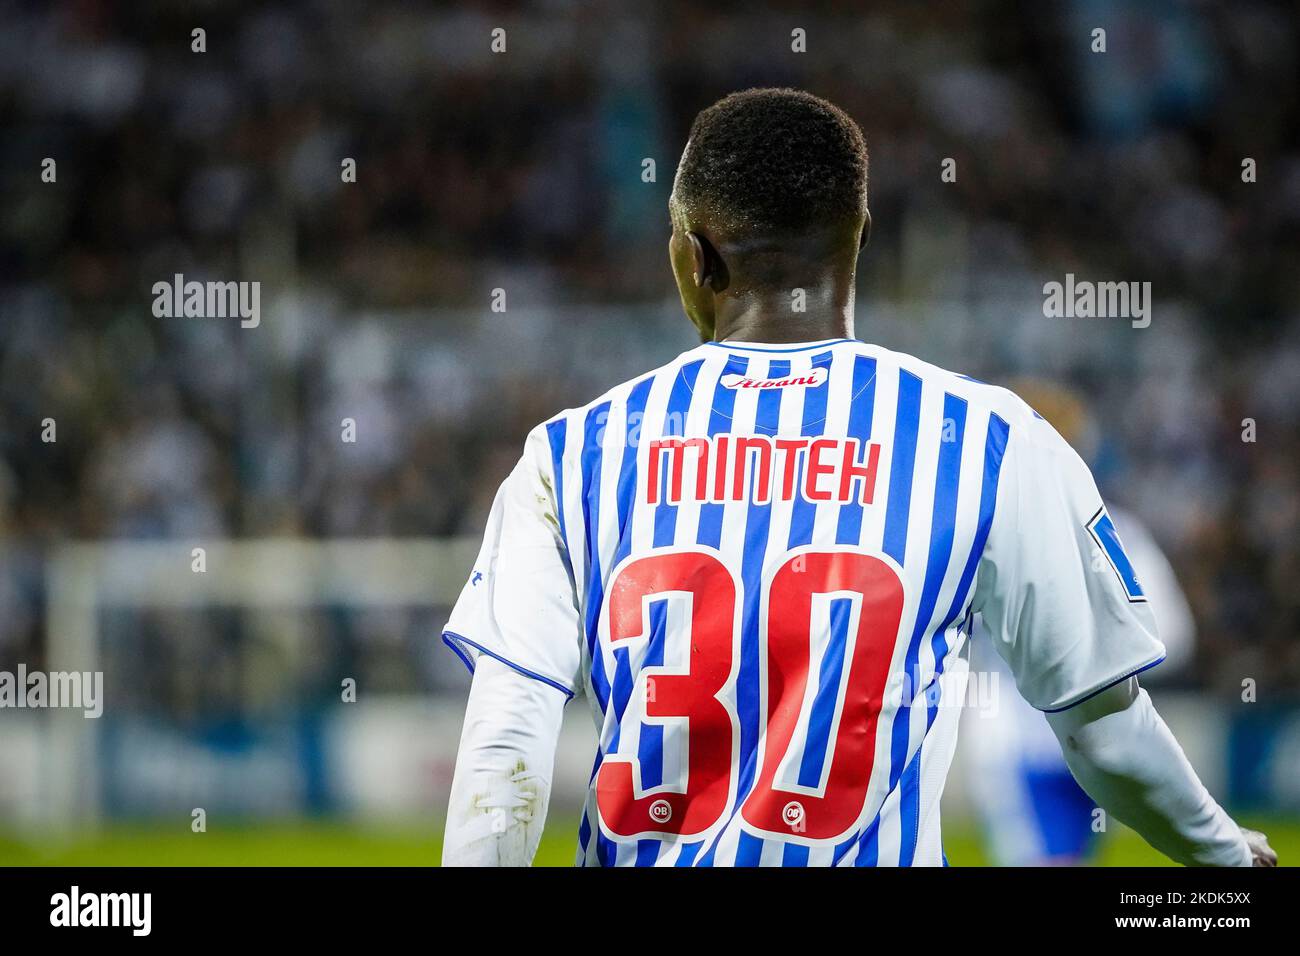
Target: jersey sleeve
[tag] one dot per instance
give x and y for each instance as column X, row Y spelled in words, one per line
column 1057, row 593
column 519, row 604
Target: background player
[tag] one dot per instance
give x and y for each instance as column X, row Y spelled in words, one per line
column 760, row 562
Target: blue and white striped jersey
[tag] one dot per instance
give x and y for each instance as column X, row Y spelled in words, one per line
column 760, row 564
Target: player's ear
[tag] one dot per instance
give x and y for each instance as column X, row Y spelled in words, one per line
column 866, row 231
column 709, row 269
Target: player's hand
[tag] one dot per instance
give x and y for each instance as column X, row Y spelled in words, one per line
column 1261, row 854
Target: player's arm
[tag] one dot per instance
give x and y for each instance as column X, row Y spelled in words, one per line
column 1064, row 608
column 502, row 783
column 1124, row 756
column 516, row 626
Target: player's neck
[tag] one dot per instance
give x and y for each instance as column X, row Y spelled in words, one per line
column 778, row 319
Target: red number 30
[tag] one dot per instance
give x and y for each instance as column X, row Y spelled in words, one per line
column 815, row 813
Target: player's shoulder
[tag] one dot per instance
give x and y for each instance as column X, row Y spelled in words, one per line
column 1019, row 426
column 994, row 399
column 557, row 435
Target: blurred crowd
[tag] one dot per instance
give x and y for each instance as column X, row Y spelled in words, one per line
column 525, row 171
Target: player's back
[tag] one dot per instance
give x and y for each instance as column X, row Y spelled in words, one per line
column 769, row 559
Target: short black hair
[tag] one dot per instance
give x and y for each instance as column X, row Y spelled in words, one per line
column 772, row 162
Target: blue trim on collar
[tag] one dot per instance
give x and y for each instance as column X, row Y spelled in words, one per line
column 797, row 347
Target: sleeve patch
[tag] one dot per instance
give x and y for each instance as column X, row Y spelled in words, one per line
column 1103, row 532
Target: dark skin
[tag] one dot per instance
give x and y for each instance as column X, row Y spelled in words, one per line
column 726, row 304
